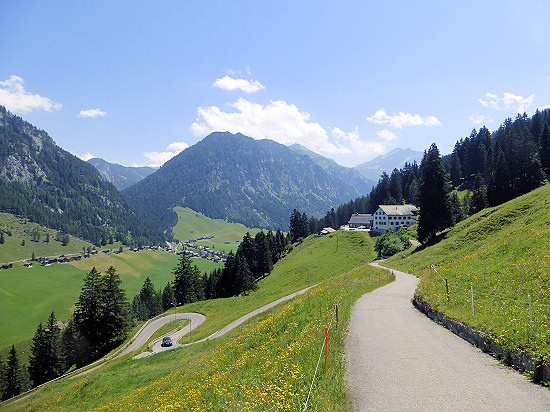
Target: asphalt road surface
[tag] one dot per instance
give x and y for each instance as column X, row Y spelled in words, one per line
column 399, row 360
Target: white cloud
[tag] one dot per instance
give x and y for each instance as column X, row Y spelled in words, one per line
column 157, row 159
column 278, row 121
column 86, row 156
column 508, row 101
column 286, row 124
column 228, row 83
column 177, row 146
column 358, row 146
column 386, row 135
column 402, row 119
column 545, row 107
column 16, row 99
column 479, row 119
column 92, row 113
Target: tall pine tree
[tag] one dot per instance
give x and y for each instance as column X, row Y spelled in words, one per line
column 434, row 191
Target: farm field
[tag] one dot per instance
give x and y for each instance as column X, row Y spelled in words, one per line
column 29, row 295
column 192, row 225
column 501, row 257
column 267, row 361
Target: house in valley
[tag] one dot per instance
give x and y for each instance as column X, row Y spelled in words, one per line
column 394, row 216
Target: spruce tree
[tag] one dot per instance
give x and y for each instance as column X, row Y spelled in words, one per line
column 168, row 297
column 115, row 316
column 88, row 316
column 545, row 148
column 434, row 191
column 186, row 280
column 12, row 384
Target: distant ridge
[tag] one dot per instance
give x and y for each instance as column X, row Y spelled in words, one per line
column 395, row 159
column 121, row 176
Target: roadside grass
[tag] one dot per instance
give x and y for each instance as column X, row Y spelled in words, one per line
column 501, row 252
column 268, row 363
column 317, row 255
column 12, row 250
column 29, row 295
column 192, row 225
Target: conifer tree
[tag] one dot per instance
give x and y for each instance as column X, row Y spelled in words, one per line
column 12, row 384
column 434, row 190
column 186, row 280
column 168, row 296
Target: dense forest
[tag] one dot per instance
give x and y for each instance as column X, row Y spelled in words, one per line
column 49, row 186
column 484, row 169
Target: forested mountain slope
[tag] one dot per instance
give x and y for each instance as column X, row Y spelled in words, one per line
column 48, row 185
column 233, row 177
column 121, row 176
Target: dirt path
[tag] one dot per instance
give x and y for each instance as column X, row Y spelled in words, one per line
column 399, row 360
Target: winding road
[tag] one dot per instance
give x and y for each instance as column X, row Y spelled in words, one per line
column 399, row 360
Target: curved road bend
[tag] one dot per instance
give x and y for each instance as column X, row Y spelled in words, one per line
column 399, row 360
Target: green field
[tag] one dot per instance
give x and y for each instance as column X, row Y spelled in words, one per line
column 13, row 251
column 192, row 225
column 266, row 364
column 502, row 255
column 29, row 295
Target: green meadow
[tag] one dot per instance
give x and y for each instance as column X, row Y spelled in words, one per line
column 29, row 295
column 192, row 225
column 501, row 256
column 21, row 230
column 268, row 363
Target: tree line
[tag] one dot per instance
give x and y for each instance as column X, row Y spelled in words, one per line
column 488, row 168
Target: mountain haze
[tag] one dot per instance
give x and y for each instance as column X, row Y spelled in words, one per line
column 387, row 162
column 348, row 174
column 48, row 185
column 121, row 176
column 234, row 177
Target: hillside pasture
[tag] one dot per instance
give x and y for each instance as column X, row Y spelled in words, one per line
column 501, row 257
column 29, row 295
column 268, row 363
column 21, row 229
column 192, row 225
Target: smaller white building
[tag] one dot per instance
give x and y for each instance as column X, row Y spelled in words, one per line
column 394, row 216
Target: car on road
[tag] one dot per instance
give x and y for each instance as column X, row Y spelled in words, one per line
column 166, row 341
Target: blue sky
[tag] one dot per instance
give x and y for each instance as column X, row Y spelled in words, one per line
column 136, row 82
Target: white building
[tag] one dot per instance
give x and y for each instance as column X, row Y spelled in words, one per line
column 360, row 221
column 394, row 216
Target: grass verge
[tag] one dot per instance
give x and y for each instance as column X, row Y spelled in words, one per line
column 501, row 255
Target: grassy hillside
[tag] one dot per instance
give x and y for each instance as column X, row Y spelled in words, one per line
column 28, row 295
column 503, row 254
column 266, row 364
column 192, row 225
column 12, row 250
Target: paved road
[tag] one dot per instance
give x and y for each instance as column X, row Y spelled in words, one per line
column 399, row 360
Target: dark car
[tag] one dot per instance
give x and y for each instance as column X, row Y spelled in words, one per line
column 166, row 341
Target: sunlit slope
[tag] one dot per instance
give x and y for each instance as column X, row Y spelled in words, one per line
column 267, row 363
column 503, row 254
column 192, row 225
